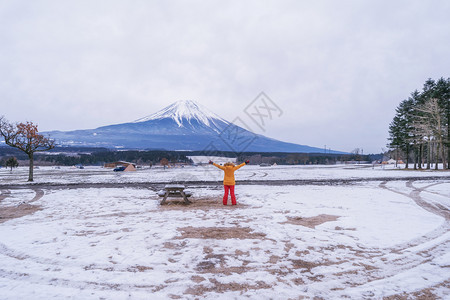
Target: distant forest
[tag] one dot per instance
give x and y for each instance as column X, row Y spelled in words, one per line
column 69, row 156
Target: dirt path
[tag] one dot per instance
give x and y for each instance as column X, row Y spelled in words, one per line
column 21, row 209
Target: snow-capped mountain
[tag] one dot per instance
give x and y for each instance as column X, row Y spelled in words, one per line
column 185, row 111
column 183, row 125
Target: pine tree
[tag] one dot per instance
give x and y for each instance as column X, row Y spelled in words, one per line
column 422, row 122
column 11, row 163
column 400, row 132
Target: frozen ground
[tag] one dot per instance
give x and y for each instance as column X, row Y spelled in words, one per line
column 371, row 238
column 251, row 173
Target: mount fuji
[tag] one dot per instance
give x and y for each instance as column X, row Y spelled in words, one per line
column 183, row 125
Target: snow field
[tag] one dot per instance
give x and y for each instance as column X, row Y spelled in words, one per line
column 70, row 175
column 364, row 240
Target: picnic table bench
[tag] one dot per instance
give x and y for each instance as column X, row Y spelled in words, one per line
column 174, row 190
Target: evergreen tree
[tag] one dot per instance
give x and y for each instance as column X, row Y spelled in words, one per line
column 422, row 122
column 400, row 132
column 11, row 163
column 442, row 94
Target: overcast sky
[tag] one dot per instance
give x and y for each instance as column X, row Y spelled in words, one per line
column 337, row 69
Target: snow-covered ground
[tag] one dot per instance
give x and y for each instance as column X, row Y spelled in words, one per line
column 66, row 175
column 365, row 239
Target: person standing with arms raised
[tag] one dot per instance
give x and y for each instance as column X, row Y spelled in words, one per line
column 228, row 179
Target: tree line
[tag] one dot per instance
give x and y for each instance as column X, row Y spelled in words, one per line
column 306, row 158
column 152, row 157
column 420, row 131
column 70, row 156
column 64, row 156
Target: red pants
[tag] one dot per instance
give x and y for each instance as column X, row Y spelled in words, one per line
column 225, row 197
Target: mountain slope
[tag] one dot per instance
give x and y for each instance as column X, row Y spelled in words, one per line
column 184, row 125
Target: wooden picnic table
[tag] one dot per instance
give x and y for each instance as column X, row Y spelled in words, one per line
column 174, row 190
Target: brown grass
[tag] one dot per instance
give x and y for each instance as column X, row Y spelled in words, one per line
column 202, row 203
column 310, row 222
column 219, row 233
column 218, row 287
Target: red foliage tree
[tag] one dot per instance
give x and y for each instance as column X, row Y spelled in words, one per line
column 25, row 137
column 164, row 162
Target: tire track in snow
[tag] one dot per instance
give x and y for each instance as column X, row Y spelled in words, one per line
column 373, row 267
column 430, row 206
column 408, row 256
column 39, row 194
column 81, row 285
column 414, row 194
column 260, row 173
column 46, row 263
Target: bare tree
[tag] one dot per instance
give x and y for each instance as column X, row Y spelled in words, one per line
column 25, row 137
column 356, row 152
column 422, row 134
column 429, row 124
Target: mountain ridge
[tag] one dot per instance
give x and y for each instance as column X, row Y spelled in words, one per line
column 183, row 125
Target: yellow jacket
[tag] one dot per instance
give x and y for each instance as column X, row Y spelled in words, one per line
column 228, row 178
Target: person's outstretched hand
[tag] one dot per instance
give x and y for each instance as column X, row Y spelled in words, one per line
column 247, row 162
column 210, row 162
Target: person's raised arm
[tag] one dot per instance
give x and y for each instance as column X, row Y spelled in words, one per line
column 241, row 165
column 216, row 165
